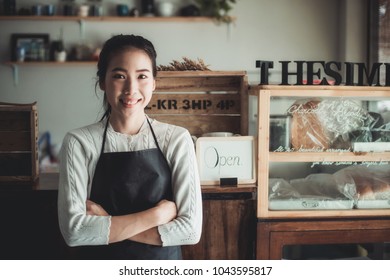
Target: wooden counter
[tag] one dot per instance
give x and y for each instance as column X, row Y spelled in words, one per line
column 273, row 235
column 229, row 223
column 30, row 225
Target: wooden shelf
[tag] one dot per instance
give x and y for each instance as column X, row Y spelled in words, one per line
column 50, row 63
column 328, row 157
column 350, row 213
column 109, row 18
column 250, row 188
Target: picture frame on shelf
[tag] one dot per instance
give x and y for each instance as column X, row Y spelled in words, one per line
column 29, row 47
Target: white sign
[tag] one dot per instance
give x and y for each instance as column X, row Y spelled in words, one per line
column 226, row 157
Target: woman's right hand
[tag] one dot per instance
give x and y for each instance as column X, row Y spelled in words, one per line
column 167, row 211
column 142, row 226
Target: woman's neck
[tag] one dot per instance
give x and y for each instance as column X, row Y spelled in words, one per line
column 129, row 125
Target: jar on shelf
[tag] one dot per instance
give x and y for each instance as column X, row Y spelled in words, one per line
column 147, row 7
column 20, row 54
column 83, row 10
column 96, row 10
column 68, row 9
column 165, row 9
column 9, row 7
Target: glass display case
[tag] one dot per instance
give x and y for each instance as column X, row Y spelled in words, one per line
column 324, row 151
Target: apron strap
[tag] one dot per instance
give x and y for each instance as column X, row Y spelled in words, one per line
column 104, row 135
column 151, row 128
column 154, row 136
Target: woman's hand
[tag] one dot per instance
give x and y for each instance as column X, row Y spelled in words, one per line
column 95, row 209
column 141, row 226
column 167, row 211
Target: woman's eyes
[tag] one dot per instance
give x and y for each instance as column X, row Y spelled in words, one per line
column 120, row 76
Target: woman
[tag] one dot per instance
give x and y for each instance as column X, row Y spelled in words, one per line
column 129, row 184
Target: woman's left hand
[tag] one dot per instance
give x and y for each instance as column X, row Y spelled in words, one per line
column 95, row 209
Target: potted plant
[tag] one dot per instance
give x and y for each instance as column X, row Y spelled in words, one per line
column 218, row 9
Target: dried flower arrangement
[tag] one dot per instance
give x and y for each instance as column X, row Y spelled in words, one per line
column 186, row 65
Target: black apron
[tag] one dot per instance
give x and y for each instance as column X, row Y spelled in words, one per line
column 130, row 182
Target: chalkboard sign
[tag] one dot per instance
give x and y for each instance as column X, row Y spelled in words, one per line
column 226, row 157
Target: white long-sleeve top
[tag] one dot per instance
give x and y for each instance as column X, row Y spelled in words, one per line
column 78, row 158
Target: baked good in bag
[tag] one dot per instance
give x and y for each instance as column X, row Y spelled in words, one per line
column 371, row 187
column 322, row 124
column 307, row 131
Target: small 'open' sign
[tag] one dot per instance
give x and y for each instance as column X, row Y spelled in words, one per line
column 226, row 157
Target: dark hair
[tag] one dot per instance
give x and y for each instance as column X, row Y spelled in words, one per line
column 118, row 44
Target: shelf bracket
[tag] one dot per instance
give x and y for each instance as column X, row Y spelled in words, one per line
column 82, row 28
column 229, row 31
column 15, row 73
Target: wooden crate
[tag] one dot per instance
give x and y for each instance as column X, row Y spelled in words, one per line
column 202, row 101
column 18, row 144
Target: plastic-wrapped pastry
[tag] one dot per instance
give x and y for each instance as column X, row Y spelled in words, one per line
column 323, row 124
column 367, row 182
column 307, row 131
column 370, row 188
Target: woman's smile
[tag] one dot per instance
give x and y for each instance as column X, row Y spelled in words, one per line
column 130, row 102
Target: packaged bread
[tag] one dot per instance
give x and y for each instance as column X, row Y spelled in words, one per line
column 322, row 124
column 371, row 188
column 307, row 131
column 366, row 182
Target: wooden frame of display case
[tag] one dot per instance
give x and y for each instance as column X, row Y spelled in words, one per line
column 265, row 157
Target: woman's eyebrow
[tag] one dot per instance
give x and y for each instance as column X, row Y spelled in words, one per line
column 118, row 69
column 143, row 70
column 124, row 70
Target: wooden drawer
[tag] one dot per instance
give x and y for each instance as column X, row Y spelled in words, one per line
column 18, row 144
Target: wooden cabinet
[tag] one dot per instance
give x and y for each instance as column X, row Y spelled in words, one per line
column 229, row 225
column 274, row 235
column 18, row 145
column 30, row 228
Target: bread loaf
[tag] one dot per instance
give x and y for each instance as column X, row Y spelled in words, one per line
column 370, row 187
column 323, row 124
column 307, row 132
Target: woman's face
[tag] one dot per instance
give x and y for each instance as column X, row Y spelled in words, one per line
column 129, row 83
